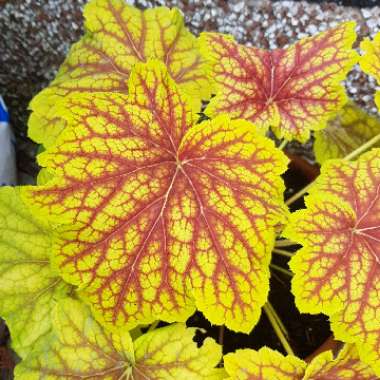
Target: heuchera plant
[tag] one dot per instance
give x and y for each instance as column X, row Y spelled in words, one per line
column 150, row 206
column 337, row 270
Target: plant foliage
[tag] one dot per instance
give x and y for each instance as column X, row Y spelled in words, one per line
column 162, row 214
column 148, row 209
column 79, row 348
column 117, row 37
column 292, row 90
column 267, row 364
column 29, row 286
column 347, row 131
column 337, row 270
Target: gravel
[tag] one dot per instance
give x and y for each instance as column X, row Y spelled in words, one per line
column 36, row 35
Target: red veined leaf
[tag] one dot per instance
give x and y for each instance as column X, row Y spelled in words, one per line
column 337, row 270
column 264, row 364
column 292, row 90
column 117, row 37
column 163, row 215
column 346, row 366
column 267, row 364
column 79, row 348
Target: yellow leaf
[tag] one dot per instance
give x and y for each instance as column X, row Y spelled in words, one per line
column 370, row 61
column 29, row 287
column 117, row 37
column 346, row 366
column 264, row 364
column 162, row 215
column 79, row 348
column 337, row 270
column 267, row 364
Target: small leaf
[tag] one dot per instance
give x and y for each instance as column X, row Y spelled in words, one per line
column 264, row 364
column 80, row 348
column 337, row 270
column 347, row 366
column 370, row 61
column 267, row 364
column 29, row 287
column 162, row 215
column 293, row 90
column 117, row 37
column 347, row 131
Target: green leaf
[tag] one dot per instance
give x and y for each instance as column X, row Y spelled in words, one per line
column 29, row 287
column 347, row 131
column 79, row 348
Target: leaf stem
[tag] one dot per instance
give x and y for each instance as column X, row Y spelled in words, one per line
column 298, row 194
column 284, row 243
column 363, row 147
column 350, row 156
column 273, row 319
column 278, row 319
column 283, row 144
column 282, row 270
column 282, row 252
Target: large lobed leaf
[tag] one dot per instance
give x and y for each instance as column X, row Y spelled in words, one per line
column 162, row 215
column 291, row 90
column 267, row 364
column 347, row 131
column 79, row 348
column 29, row 287
column 117, row 37
column 337, row 270
column 370, row 61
